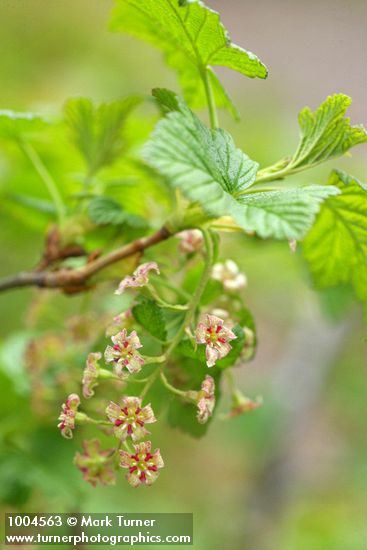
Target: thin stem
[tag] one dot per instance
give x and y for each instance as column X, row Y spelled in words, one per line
column 163, row 282
column 115, row 456
column 194, row 302
column 210, row 98
column 98, row 422
column 171, row 388
column 152, row 378
column 77, row 278
column 105, row 374
column 232, row 228
column 230, row 379
column 162, row 302
column 265, row 175
column 138, row 380
column 154, row 360
column 127, row 447
column 46, row 177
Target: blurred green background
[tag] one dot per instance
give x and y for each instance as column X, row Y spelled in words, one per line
column 292, row 475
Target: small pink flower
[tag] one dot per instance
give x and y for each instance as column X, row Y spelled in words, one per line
column 67, row 416
column 94, row 464
column 123, row 353
column 206, row 400
column 90, row 375
column 138, row 278
column 191, row 241
column 143, row 465
column 216, row 336
column 119, row 322
column 229, row 275
column 129, row 418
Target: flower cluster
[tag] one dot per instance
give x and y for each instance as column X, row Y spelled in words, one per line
column 127, row 419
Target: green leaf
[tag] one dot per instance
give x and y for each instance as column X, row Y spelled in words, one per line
column 142, row 189
column 13, row 125
column 151, row 317
column 97, row 132
column 326, row 133
column 168, row 101
column 206, row 165
column 39, row 205
column 198, row 158
column 287, row 214
column 192, row 38
column 336, row 247
column 106, row 211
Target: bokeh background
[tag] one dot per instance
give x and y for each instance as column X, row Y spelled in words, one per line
column 292, row 475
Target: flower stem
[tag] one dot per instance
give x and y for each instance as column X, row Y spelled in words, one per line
column 171, row 388
column 195, row 300
column 162, row 302
column 90, row 420
column 46, row 177
column 152, row 378
column 230, row 379
column 127, row 447
column 154, row 360
column 210, row 98
column 138, row 380
column 179, row 291
column 105, row 374
column 193, row 304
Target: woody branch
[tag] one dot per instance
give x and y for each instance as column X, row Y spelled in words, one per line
column 75, row 279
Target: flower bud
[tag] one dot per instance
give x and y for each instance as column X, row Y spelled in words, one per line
column 68, row 414
column 206, row 400
column 191, row 241
column 90, row 375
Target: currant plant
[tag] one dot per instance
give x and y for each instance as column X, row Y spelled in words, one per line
column 184, row 326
